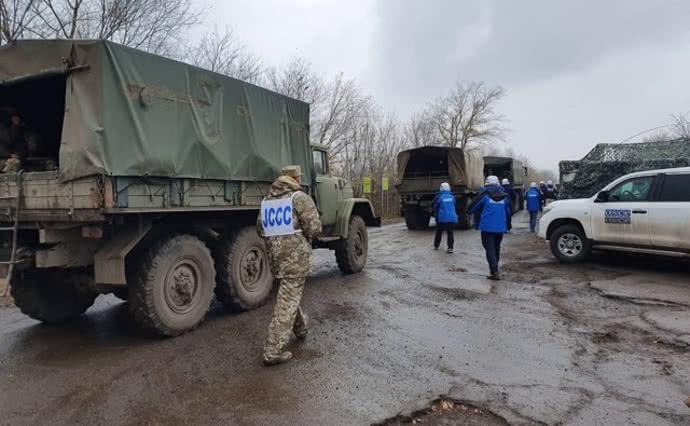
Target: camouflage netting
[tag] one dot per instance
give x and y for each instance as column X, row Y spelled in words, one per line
column 607, row 162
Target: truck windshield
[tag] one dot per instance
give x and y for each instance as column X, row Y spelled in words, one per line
column 320, row 163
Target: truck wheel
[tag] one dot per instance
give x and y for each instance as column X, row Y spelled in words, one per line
column 244, row 279
column 411, row 218
column 569, row 244
column 416, row 218
column 351, row 254
column 171, row 288
column 466, row 221
column 51, row 295
column 424, row 219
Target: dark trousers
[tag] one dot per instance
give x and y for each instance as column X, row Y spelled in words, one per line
column 448, row 227
column 492, row 244
column 533, row 221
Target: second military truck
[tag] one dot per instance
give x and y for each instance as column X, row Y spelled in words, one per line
column 420, row 174
column 511, row 169
column 160, row 171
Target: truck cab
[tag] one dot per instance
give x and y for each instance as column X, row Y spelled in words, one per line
column 644, row 212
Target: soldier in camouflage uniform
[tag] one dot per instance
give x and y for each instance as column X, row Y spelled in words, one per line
column 290, row 259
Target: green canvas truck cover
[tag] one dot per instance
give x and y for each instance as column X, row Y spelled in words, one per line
column 462, row 167
column 509, row 165
column 130, row 113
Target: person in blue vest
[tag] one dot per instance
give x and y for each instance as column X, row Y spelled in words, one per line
column 533, row 201
column 494, row 205
column 446, row 216
column 505, row 183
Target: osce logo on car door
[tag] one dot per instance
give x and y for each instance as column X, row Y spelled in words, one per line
column 276, row 217
column 620, row 216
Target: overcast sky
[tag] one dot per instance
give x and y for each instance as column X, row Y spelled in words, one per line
column 576, row 72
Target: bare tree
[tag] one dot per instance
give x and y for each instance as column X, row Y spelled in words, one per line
column 680, row 127
column 467, row 116
column 337, row 106
column 15, row 15
column 420, row 131
column 223, row 53
column 153, row 25
column 297, row 80
column 344, row 106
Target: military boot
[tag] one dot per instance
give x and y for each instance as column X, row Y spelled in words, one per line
column 277, row 359
column 301, row 328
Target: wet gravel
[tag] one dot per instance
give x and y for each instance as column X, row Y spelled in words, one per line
column 606, row 342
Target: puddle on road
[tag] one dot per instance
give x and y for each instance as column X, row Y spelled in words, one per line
column 446, row 411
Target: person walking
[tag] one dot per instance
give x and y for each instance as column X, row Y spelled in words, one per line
column 550, row 193
column 446, row 216
column 534, row 205
column 288, row 222
column 505, row 183
column 494, row 206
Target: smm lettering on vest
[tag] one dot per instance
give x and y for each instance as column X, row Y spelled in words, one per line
column 276, row 217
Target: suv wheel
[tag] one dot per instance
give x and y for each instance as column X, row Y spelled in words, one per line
column 569, row 244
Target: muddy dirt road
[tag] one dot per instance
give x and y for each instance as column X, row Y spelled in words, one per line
column 606, row 342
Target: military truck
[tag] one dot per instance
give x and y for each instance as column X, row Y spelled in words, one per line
column 420, row 174
column 162, row 167
column 511, row 169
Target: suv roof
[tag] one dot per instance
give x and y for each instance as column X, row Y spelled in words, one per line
column 674, row 171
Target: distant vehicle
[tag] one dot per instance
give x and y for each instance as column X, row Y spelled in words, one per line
column 643, row 212
column 162, row 167
column 511, row 169
column 420, row 174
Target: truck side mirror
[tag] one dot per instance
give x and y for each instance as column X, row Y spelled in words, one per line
column 602, row 197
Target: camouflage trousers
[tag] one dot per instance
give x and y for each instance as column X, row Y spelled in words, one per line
column 287, row 317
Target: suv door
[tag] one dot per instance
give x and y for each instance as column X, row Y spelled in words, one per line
column 625, row 217
column 670, row 227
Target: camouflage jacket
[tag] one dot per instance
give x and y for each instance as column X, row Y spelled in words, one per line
column 290, row 255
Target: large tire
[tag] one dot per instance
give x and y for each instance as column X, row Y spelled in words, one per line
column 569, row 244
column 53, row 295
column 416, row 218
column 424, row 219
column 171, row 285
column 411, row 220
column 351, row 254
column 244, row 278
column 465, row 220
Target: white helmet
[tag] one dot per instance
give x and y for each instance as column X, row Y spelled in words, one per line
column 445, row 187
column 550, row 183
column 533, row 185
column 492, row 180
column 505, row 182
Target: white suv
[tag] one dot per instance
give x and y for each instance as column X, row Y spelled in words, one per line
column 644, row 212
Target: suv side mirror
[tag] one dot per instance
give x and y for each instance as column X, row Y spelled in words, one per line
column 602, row 197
